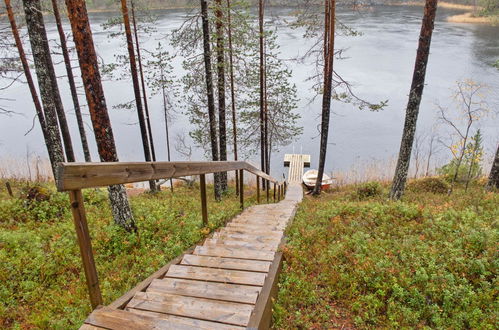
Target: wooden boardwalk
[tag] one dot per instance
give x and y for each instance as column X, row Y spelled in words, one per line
column 296, row 165
column 226, row 283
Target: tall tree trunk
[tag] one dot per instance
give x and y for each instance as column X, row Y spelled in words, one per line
column 263, row 152
column 142, row 82
column 43, row 62
column 82, row 36
column 72, row 85
column 167, row 131
column 45, row 70
column 415, row 96
column 54, row 150
column 209, row 92
column 136, row 87
column 494, row 173
column 232, row 91
column 266, row 114
column 330, row 12
column 222, row 130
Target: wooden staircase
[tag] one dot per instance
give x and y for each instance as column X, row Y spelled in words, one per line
column 226, row 283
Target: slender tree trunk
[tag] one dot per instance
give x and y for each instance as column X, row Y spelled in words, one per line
column 45, row 70
column 167, row 131
column 142, row 82
column 266, row 114
column 232, row 91
column 136, row 87
column 43, row 65
column 222, row 129
column 415, row 95
column 330, row 12
column 459, row 160
column 82, row 36
column 494, row 173
column 72, row 84
column 54, row 149
column 263, row 153
column 209, row 92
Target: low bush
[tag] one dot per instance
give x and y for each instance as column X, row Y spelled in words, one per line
column 434, row 185
column 369, row 189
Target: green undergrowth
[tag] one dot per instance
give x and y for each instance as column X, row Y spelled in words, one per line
column 41, row 280
column 427, row 261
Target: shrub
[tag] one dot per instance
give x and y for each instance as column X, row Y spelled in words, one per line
column 434, row 185
column 369, row 189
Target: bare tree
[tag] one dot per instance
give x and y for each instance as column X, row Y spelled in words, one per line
column 82, row 36
column 136, row 87
column 415, row 95
column 45, row 72
column 71, row 81
column 330, row 14
column 472, row 107
column 49, row 125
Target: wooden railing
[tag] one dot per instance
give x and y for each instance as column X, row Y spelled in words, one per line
column 72, row 177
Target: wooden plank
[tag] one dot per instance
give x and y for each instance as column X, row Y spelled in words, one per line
column 226, row 263
column 118, row 319
column 90, row 327
column 252, row 227
column 247, row 237
column 73, row 176
column 210, row 290
column 200, row 308
column 142, row 286
column 216, row 275
column 196, row 324
column 239, row 243
column 239, row 253
column 243, row 231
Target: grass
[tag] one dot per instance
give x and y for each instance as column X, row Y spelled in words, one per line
column 41, row 280
column 428, row 261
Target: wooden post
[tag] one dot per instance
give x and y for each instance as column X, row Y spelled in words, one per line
column 9, row 189
column 274, row 192
column 267, row 189
column 241, row 189
column 258, row 189
column 87, row 257
column 204, row 205
column 278, row 192
column 285, row 187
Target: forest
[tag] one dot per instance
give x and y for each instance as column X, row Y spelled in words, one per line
column 137, row 134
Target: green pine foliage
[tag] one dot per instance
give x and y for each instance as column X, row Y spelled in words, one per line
column 425, row 262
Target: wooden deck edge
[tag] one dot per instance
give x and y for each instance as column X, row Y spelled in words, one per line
column 261, row 317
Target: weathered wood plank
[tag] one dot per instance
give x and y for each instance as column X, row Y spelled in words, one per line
column 200, row 308
column 226, row 263
column 118, row 319
column 239, row 253
column 73, row 176
column 236, row 244
column 196, row 324
column 210, row 290
column 247, row 237
column 244, row 231
column 90, row 327
column 216, row 275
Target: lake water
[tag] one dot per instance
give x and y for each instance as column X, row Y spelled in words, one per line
column 379, row 64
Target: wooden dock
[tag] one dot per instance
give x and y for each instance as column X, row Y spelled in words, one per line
column 226, row 283
column 296, row 164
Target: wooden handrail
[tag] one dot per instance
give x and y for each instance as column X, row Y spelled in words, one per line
column 74, row 176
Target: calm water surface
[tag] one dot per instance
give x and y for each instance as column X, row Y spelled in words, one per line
column 379, row 64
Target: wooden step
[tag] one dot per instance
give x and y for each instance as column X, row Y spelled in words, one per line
column 261, row 232
column 119, row 319
column 248, row 237
column 210, row 290
column 251, row 227
column 216, row 275
column 239, row 253
column 196, row 324
column 237, row 244
column 200, row 308
column 226, row 263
